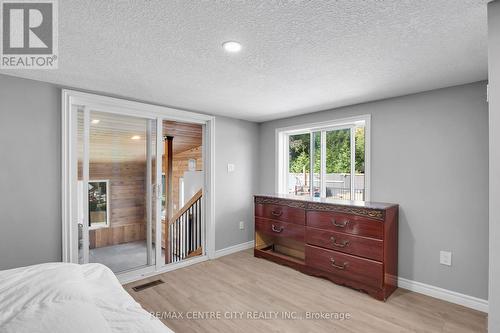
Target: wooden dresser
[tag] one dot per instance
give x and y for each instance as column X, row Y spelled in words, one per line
column 348, row 242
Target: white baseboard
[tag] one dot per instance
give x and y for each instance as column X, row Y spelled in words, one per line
column 418, row 287
column 234, row 249
column 444, row 294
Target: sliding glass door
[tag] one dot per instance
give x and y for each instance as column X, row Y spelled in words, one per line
column 117, row 159
column 139, row 189
column 137, row 182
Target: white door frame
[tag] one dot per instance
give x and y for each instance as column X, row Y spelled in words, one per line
column 69, row 169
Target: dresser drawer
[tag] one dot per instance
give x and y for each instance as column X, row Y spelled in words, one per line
column 352, row 224
column 365, row 271
column 280, row 229
column 359, row 246
column 282, row 213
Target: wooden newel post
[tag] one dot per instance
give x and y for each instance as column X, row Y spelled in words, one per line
column 169, row 200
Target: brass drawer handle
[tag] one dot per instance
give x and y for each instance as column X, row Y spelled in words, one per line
column 342, row 244
column 344, row 265
column 277, row 213
column 273, row 228
column 340, row 225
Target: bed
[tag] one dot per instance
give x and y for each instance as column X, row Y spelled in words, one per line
column 61, row 298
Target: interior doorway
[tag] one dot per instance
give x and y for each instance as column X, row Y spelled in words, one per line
column 182, row 199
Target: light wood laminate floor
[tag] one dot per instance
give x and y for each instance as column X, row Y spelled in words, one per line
column 241, row 283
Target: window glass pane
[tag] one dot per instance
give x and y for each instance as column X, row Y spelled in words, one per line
column 338, row 164
column 316, row 136
column 98, row 203
column 299, row 164
column 359, row 180
column 117, row 191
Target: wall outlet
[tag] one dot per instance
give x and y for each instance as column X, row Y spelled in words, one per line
column 230, row 167
column 445, row 258
column 242, row 225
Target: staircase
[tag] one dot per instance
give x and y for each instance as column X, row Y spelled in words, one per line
column 183, row 231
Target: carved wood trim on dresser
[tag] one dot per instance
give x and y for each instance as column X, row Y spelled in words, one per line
column 278, row 201
column 354, row 244
column 371, row 213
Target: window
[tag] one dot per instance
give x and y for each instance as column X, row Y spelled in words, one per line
column 328, row 160
column 98, row 204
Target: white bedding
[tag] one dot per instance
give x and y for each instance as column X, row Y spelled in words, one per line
column 63, row 298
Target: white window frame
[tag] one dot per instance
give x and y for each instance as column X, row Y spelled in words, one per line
column 282, row 145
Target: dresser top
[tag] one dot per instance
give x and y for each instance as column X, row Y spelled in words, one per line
column 361, row 204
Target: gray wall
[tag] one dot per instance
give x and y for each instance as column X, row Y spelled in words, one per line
column 494, row 82
column 30, row 172
column 425, row 149
column 236, row 142
column 444, row 132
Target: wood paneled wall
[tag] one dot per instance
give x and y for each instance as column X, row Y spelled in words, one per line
column 128, row 197
column 127, row 202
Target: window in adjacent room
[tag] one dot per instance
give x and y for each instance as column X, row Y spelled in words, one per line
column 329, row 160
column 98, row 196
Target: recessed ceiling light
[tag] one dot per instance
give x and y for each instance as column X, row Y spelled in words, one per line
column 135, row 137
column 95, row 121
column 231, row 46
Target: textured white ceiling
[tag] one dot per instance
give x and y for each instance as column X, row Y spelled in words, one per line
column 297, row 57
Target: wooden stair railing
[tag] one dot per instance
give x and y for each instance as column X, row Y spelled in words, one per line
column 183, row 232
